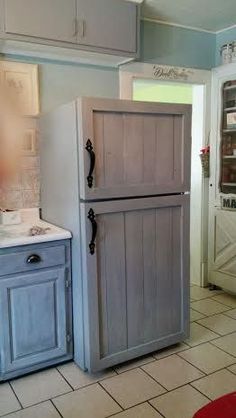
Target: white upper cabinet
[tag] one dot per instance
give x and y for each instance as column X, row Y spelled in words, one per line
column 102, row 26
column 47, row 19
column 110, row 24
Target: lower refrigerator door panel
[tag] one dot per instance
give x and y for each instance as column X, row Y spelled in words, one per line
column 135, row 267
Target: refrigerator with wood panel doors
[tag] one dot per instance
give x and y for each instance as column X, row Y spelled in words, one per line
column 117, row 174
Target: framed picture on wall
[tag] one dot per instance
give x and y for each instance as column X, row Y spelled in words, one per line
column 22, row 84
column 29, row 143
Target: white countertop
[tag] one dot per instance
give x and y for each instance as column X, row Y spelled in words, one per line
column 14, row 235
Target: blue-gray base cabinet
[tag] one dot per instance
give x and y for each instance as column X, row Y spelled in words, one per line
column 35, row 307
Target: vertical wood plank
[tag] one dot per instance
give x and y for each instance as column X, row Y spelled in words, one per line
column 164, row 270
column 113, row 149
column 133, row 150
column 179, row 144
column 134, row 274
column 165, row 149
column 98, row 124
column 150, row 275
column 177, row 260
column 102, row 288
column 112, row 284
column 149, row 149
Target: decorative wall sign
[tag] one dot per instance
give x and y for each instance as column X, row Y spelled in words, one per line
column 171, row 73
column 21, row 81
column 228, row 203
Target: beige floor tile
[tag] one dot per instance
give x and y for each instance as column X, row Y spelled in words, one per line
column 8, row 401
column 181, row 403
column 228, row 300
column 199, row 335
column 89, row 402
column 217, row 384
column 227, row 343
column 170, row 350
column 207, row 358
column 232, row 368
column 209, row 307
column 129, row 365
column 231, row 313
column 43, row 410
column 198, row 293
column 172, row 372
column 78, row 379
column 140, row 411
column 194, row 315
column 131, row 388
column 220, row 323
column 40, row 387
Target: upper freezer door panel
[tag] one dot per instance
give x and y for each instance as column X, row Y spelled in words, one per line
column 131, row 148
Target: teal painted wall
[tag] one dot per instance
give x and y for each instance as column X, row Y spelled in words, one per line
column 63, row 83
column 171, row 45
column 223, row 38
column 163, row 44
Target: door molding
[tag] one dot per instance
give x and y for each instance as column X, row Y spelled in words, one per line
column 199, row 78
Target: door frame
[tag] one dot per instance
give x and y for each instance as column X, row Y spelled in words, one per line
column 199, row 78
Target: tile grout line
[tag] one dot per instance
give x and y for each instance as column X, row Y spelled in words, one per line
column 220, row 348
column 177, row 387
column 111, row 396
column 208, row 329
column 198, row 390
column 156, row 410
column 54, row 406
column 225, row 335
column 13, row 390
column 63, row 377
column 163, row 387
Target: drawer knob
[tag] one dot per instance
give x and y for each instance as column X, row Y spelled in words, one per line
column 34, row 259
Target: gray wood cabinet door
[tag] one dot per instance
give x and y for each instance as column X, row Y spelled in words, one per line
column 47, row 19
column 140, row 148
column 108, row 24
column 136, row 282
column 33, row 318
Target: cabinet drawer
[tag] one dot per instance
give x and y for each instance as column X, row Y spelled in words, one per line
column 32, row 259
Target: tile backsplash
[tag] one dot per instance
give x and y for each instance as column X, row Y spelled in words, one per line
column 24, row 190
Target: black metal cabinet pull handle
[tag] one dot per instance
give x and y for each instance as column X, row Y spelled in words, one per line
column 91, row 217
column 89, row 148
column 33, row 259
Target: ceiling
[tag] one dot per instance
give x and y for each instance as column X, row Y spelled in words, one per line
column 212, row 15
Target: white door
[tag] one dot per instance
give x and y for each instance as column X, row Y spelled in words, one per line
column 131, row 148
column 223, row 252
column 110, row 24
column 47, row 19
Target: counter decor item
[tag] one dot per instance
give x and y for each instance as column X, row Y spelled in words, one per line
column 205, row 160
column 10, row 217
